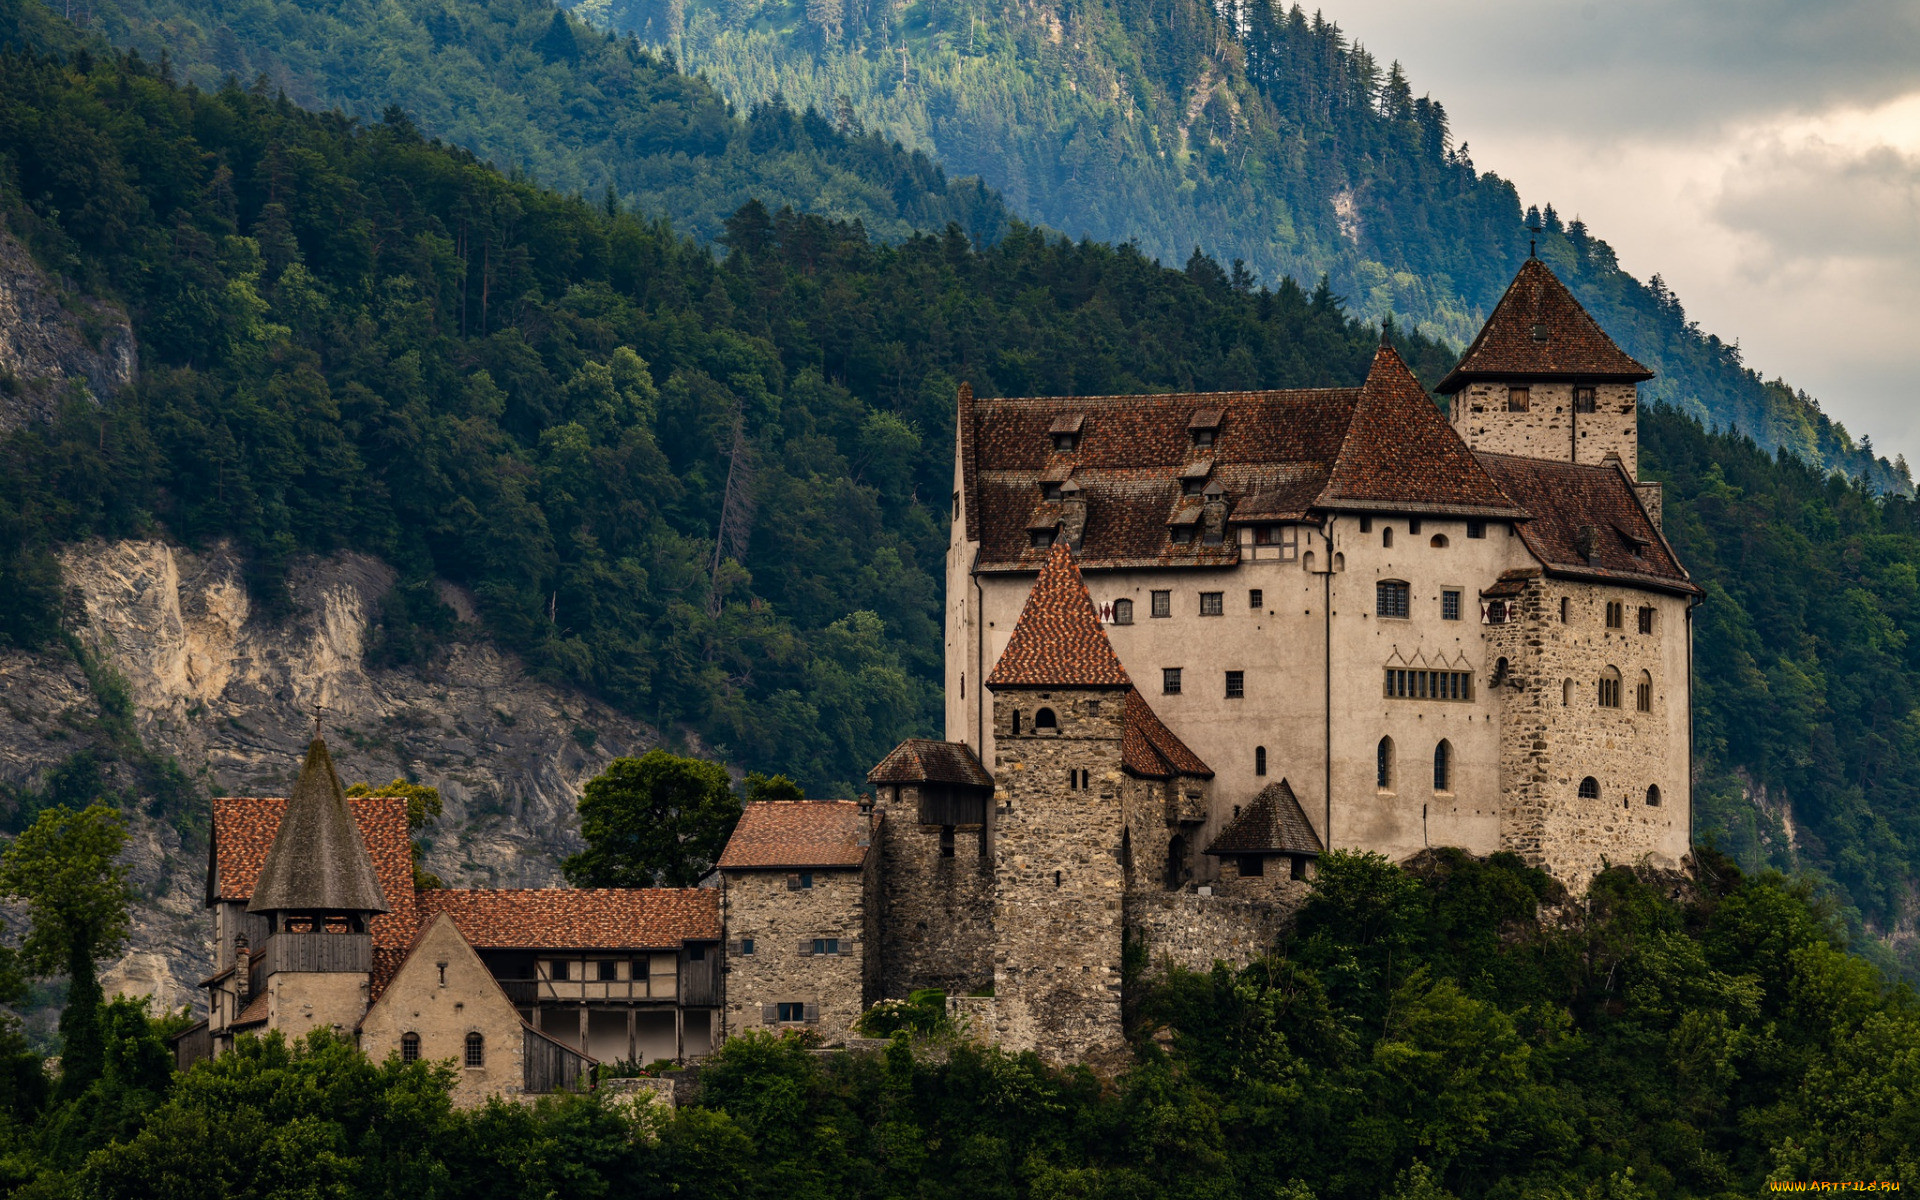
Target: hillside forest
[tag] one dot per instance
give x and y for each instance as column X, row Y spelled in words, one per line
column 1250, row 131
column 353, row 336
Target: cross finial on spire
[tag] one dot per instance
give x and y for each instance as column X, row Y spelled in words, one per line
column 317, row 707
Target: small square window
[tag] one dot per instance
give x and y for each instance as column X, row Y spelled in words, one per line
column 1236, row 685
column 746, row 945
column 1203, row 437
column 1518, row 399
column 608, row 969
column 1646, row 620
column 1170, row 681
column 1049, row 491
column 790, row 1012
column 826, row 945
column 1476, row 529
column 1449, row 606
column 806, row 879
column 1182, row 535
column 1163, row 604
column 1366, row 524
column 1123, row 612
column 1212, row 604
column 1390, row 598
column 1040, row 539
column 1066, row 441
column 1413, row 525
column 1583, row 399
column 1254, row 598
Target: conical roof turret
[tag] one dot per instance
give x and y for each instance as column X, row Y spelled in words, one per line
column 318, row 862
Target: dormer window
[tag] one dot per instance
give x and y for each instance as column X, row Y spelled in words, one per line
column 1204, row 426
column 1040, row 539
column 1049, row 491
column 1065, row 432
column 1540, row 333
column 1192, row 487
column 1182, row 535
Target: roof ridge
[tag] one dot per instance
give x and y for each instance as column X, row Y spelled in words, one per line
column 1560, row 338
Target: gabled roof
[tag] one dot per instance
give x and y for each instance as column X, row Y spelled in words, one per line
column 1149, row 749
column 1273, row 824
column 576, row 918
column 1058, row 642
column 1401, row 454
column 797, row 834
column 318, row 862
column 923, row 760
column 1539, row 331
column 244, row 829
column 1587, row 521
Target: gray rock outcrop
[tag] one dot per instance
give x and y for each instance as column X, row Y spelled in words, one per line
column 51, row 340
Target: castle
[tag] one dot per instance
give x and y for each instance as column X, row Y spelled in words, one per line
column 1192, row 643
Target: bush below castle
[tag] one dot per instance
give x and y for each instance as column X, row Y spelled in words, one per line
column 1420, row 1032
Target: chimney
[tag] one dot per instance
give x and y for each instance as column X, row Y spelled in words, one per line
column 242, row 970
column 1585, row 541
column 1073, row 514
column 1213, row 514
column 1650, row 499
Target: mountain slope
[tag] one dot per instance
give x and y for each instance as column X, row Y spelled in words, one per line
column 525, row 88
column 1249, row 129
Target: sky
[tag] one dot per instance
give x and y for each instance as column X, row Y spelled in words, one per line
column 1762, row 156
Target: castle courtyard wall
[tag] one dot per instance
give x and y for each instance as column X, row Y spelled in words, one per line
column 1191, row 931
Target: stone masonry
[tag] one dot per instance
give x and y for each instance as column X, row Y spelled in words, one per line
column 1549, row 427
column 443, row 994
column 938, row 884
column 1057, row 918
column 809, row 933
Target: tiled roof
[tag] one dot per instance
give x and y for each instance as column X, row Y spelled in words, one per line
column 255, row 1013
column 923, row 760
column 576, row 918
column 1058, row 642
column 1587, row 522
column 1277, row 455
column 1401, row 454
column 775, row 834
column 1539, row 331
column 1148, row 748
column 244, row 829
column 1273, row 824
column 318, row 862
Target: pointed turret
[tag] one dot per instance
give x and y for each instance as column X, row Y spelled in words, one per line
column 1543, row 380
column 1058, row 641
column 318, row 864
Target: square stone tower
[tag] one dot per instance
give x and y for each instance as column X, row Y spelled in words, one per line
column 1543, row 380
column 1059, row 714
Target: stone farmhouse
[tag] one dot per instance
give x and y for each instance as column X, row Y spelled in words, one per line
column 1192, row 643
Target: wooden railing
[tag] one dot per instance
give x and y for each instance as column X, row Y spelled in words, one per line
column 581, row 991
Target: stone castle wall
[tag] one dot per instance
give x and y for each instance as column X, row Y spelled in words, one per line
column 936, row 930
column 1181, row 929
column 1555, row 732
column 1550, row 428
column 1057, row 917
column 782, row 921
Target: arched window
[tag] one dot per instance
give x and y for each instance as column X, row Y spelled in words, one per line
column 1500, row 670
column 476, row 1050
column 1044, row 719
column 1383, row 764
column 1386, row 535
column 1176, row 861
column 1439, row 541
column 409, row 1047
column 1610, row 688
column 1653, row 796
column 1643, row 693
column 1123, row 612
column 1589, row 788
column 1259, row 760
column 1443, row 767
column 1566, row 693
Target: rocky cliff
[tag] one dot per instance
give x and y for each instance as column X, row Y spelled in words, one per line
column 52, row 340
column 233, row 695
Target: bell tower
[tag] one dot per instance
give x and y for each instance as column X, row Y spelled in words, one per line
column 1543, row 380
column 319, row 895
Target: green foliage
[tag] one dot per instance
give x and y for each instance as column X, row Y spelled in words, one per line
column 76, row 895
column 655, row 821
column 1257, row 131
column 757, row 787
column 923, row 1013
column 354, row 337
column 1806, row 658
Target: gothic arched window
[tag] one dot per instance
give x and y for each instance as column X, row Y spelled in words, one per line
column 1259, row 760
column 1383, row 764
column 1443, row 767
column 1589, row 788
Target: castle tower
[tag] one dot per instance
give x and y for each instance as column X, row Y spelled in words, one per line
column 319, row 895
column 1060, row 698
column 1543, row 380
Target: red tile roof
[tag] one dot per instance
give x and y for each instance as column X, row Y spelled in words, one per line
column 244, row 829
column 1539, row 331
column 1148, row 748
column 1400, row 454
column 791, row 834
column 1273, row 824
column 577, row 918
column 1587, row 522
column 923, row 760
column 1057, row 641
column 1277, row 455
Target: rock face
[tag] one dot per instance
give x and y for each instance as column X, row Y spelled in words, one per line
column 50, row 341
column 233, row 697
